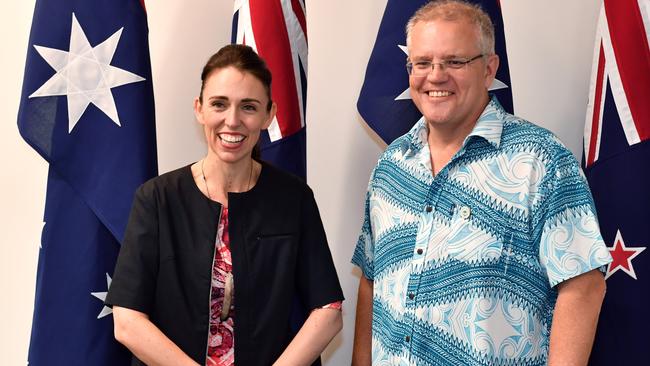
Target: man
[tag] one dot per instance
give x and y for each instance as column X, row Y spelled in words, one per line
column 480, row 244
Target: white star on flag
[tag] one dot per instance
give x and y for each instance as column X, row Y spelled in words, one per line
column 102, row 296
column 406, row 94
column 84, row 74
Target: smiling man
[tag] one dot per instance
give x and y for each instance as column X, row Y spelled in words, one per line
column 480, row 244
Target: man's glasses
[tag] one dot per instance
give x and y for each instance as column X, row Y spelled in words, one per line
column 423, row 68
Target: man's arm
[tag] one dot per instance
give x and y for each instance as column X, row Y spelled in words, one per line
column 575, row 318
column 361, row 353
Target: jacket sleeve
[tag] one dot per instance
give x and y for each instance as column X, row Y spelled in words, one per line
column 317, row 281
column 134, row 279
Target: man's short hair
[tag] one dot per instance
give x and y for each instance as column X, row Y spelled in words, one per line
column 455, row 10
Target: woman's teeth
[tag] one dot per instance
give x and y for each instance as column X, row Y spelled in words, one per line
column 233, row 139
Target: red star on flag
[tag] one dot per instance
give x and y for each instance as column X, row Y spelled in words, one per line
column 622, row 257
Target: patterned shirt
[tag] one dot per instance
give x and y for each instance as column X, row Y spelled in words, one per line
column 465, row 264
column 221, row 337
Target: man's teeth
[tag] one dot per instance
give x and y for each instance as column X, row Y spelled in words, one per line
column 231, row 138
column 436, row 93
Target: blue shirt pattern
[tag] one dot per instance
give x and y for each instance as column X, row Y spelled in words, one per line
column 464, row 264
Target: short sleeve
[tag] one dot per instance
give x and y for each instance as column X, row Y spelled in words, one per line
column 317, row 281
column 570, row 241
column 363, row 256
column 134, row 278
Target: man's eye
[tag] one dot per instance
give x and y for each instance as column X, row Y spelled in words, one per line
column 422, row 65
column 455, row 63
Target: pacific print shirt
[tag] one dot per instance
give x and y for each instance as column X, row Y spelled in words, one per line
column 465, row 263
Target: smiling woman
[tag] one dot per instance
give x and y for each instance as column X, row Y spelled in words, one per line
column 229, row 232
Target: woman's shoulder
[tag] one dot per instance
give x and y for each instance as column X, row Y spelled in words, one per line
column 275, row 179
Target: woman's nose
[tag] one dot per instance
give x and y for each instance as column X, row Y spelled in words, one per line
column 232, row 118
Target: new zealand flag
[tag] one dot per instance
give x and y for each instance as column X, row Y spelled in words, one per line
column 87, row 108
column 385, row 103
column 616, row 163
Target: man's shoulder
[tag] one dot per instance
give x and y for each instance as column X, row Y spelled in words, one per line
column 523, row 135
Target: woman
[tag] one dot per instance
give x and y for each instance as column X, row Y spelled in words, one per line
column 215, row 252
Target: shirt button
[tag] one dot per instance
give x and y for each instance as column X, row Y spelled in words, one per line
column 407, row 338
column 419, row 251
column 429, row 208
column 411, row 295
column 465, row 212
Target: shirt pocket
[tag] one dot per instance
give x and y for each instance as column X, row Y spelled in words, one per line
column 273, row 254
column 469, row 242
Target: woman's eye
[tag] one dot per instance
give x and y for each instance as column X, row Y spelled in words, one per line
column 249, row 108
column 219, row 105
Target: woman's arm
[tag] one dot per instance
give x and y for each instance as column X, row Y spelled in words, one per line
column 317, row 332
column 134, row 330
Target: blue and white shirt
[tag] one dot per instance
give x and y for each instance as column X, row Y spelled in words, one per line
column 465, row 263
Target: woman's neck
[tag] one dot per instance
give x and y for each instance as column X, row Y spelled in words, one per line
column 218, row 178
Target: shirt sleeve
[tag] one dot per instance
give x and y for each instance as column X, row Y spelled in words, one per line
column 134, row 278
column 363, row 256
column 317, row 281
column 570, row 242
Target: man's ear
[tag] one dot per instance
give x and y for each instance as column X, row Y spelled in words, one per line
column 197, row 110
column 491, row 69
column 272, row 113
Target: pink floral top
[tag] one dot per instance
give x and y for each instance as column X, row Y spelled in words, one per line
column 221, row 336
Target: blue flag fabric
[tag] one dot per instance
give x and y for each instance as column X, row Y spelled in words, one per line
column 616, row 161
column 384, row 102
column 87, row 108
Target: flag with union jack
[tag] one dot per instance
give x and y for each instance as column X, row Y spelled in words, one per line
column 277, row 31
column 616, row 162
column 384, row 102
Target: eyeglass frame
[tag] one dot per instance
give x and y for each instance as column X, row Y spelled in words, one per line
column 444, row 64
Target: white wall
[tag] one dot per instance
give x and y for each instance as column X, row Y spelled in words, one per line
column 550, row 50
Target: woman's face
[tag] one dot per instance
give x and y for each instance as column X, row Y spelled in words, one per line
column 233, row 112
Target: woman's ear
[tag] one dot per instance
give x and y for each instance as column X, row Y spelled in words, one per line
column 197, row 110
column 272, row 112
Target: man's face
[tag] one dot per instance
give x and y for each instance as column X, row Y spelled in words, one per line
column 450, row 98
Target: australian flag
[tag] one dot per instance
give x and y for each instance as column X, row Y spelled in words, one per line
column 616, row 162
column 385, row 103
column 277, row 31
column 87, row 108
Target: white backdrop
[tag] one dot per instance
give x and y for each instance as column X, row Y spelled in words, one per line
column 549, row 49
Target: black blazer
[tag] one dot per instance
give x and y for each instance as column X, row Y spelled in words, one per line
column 279, row 250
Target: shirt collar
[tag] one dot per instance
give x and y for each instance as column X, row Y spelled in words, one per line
column 414, row 140
column 489, row 126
